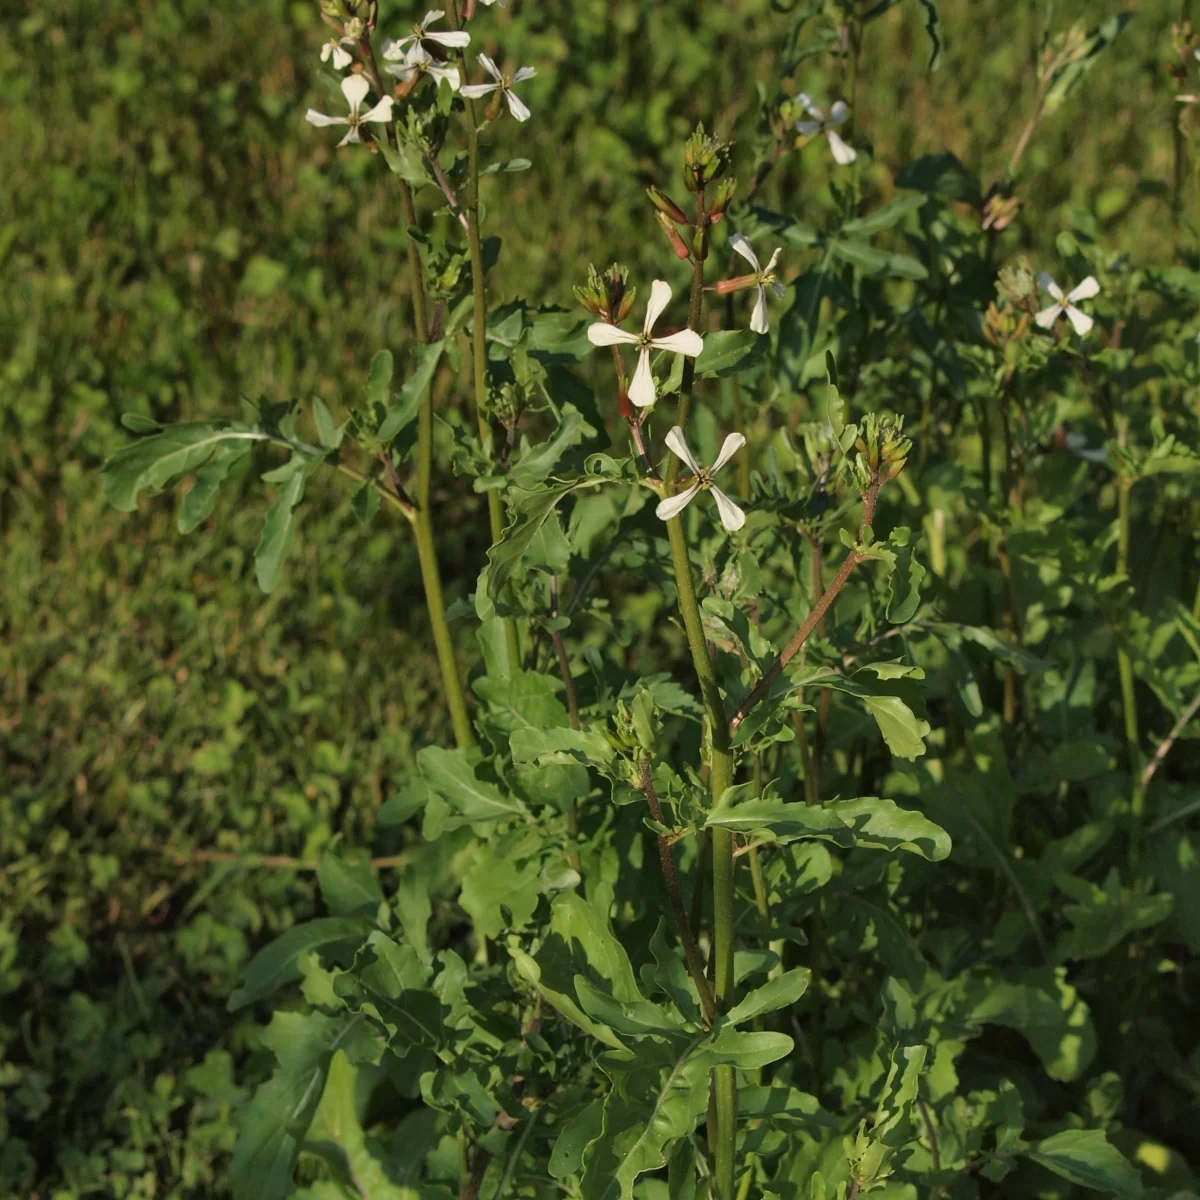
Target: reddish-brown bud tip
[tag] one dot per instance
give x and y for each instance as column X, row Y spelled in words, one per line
column 677, row 243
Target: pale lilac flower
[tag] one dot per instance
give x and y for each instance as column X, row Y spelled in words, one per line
column 341, row 59
column 355, row 89
column 820, row 123
column 732, row 517
column 419, row 61
column 686, row 341
column 1066, row 304
column 400, row 48
column 503, row 84
column 765, row 279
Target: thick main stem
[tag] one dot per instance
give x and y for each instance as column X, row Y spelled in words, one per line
column 724, row 1081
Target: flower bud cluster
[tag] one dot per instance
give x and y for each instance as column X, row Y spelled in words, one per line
column 882, row 450
column 607, row 296
column 1007, row 318
column 706, row 159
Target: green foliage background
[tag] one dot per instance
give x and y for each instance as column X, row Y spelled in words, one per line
column 173, row 237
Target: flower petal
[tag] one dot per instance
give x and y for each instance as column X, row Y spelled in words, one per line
column 449, row 74
column 457, row 40
column 740, row 244
column 842, row 153
column 1080, row 320
column 355, row 89
column 1048, row 316
column 677, row 442
column 660, row 297
column 641, row 390
column 686, row 341
column 434, row 14
column 729, row 447
column 381, row 113
column 1085, row 290
column 674, row 505
column 808, row 128
column 758, row 318
column 320, row 119
column 523, row 74
column 806, row 102
column 839, row 114
column 396, row 48
column 516, row 105
column 491, row 68
column 774, row 259
column 1046, row 282
column 327, row 50
column 732, row 517
column 341, row 59
column 474, row 90
column 604, row 334
column 351, row 136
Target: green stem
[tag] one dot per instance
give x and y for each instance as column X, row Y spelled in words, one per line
column 479, row 327
column 724, row 1082
column 1125, row 672
column 422, row 517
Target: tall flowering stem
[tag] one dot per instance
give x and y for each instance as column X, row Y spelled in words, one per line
column 422, row 518
column 721, row 766
column 479, row 323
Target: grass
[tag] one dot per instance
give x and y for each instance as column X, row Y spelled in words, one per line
column 174, row 241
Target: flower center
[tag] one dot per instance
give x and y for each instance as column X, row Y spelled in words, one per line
column 644, row 342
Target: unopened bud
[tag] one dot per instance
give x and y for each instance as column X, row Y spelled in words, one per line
column 666, row 205
column 725, row 190
column 677, row 243
column 739, row 284
column 494, row 109
column 607, row 296
column 700, row 243
column 705, row 159
column 620, row 295
column 355, row 28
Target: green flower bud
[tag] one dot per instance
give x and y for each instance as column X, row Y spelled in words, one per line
column 666, row 205
column 705, row 159
column 607, row 296
column 724, row 194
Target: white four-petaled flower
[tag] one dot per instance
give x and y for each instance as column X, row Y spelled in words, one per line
column 820, row 123
column 418, row 61
column 355, row 89
column 402, row 47
column 1066, row 304
column 732, row 517
column 686, row 341
column 503, row 84
column 341, row 59
column 766, row 279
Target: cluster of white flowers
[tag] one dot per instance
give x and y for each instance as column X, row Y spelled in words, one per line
column 643, row 393
column 415, row 54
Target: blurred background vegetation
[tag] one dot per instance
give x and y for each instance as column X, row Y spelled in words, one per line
column 175, row 240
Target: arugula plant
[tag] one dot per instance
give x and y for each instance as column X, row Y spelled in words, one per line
column 740, row 859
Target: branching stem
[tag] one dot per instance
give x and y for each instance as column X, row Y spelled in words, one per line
column 814, row 618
